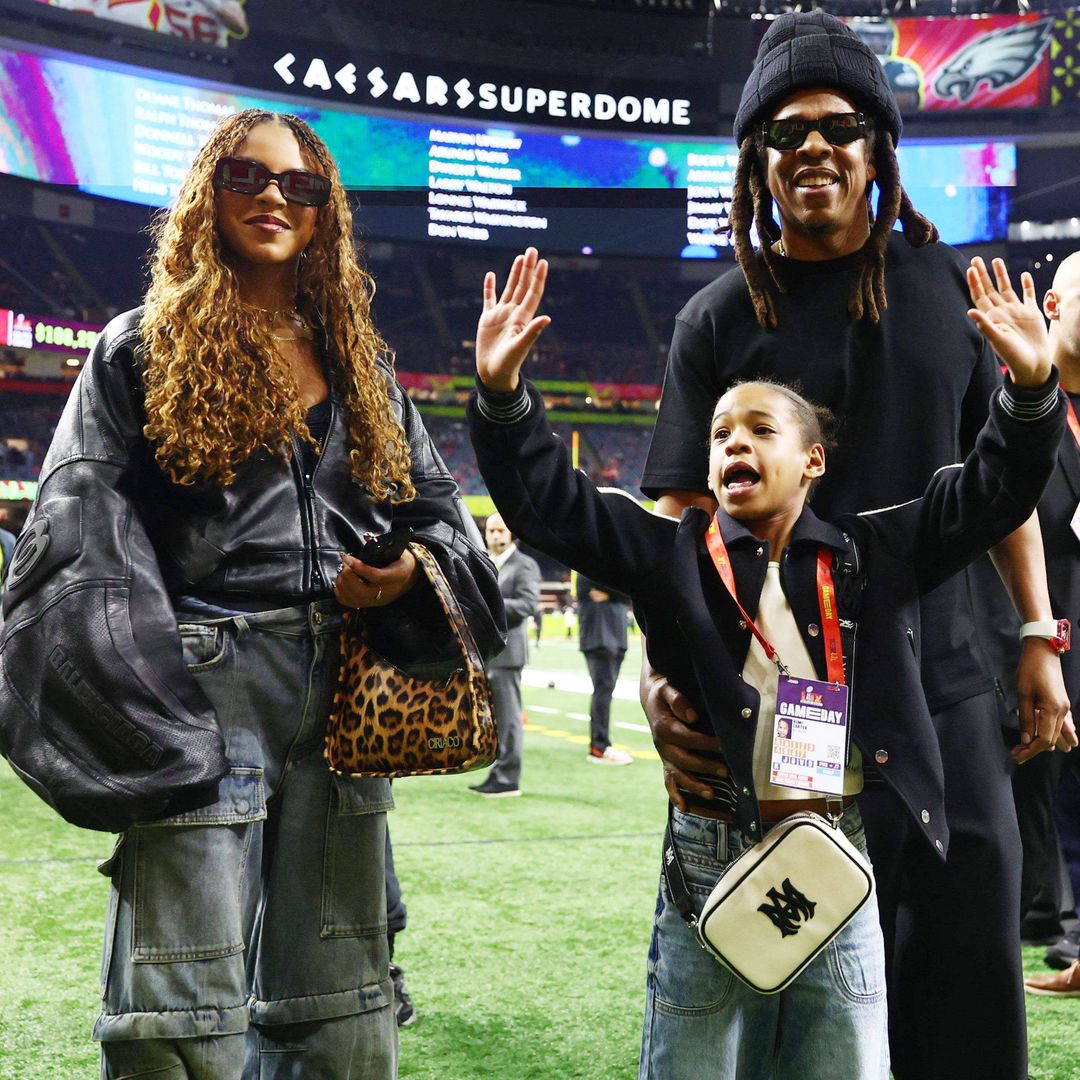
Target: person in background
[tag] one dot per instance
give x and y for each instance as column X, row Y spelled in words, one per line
column 602, row 638
column 1059, row 519
column 519, row 584
column 396, row 921
column 872, row 324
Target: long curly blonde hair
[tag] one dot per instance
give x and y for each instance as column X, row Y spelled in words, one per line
column 217, row 390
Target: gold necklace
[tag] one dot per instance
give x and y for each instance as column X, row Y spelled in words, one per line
column 278, row 312
column 288, row 315
column 304, row 334
column 780, row 247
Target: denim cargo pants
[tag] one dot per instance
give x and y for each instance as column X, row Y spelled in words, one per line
column 248, row 939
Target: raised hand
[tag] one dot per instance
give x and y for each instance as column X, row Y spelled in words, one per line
column 509, row 326
column 1015, row 328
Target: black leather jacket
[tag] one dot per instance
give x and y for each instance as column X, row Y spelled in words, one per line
column 97, row 711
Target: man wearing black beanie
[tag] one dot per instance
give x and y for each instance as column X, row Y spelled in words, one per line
column 873, row 325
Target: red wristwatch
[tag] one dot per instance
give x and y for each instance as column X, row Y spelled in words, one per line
column 1058, row 632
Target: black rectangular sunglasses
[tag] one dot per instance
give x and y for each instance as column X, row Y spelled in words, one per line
column 791, row 132
column 247, row 177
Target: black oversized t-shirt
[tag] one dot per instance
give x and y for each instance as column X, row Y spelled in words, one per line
column 911, row 392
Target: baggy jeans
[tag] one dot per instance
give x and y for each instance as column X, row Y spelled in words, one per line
column 247, row 939
column 703, row 1023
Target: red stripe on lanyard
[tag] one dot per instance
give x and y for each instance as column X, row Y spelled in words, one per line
column 1074, row 424
column 830, row 619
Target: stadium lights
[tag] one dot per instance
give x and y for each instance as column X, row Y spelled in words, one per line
column 1031, row 231
column 976, row 9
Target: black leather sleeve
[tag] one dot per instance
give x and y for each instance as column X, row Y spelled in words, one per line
column 98, row 713
column 411, row 629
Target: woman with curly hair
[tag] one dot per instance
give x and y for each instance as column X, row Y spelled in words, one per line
column 185, row 569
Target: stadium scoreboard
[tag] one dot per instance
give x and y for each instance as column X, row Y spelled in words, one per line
column 467, row 181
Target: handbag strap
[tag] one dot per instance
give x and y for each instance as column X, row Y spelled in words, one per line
column 451, row 608
column 674, row 876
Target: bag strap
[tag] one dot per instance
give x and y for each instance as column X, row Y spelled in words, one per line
column 674, row 876
column 451, row 608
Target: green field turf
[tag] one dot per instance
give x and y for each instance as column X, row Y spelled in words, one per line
column 528, row 918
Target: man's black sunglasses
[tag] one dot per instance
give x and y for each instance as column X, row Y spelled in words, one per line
column 791, row 132
column 247, row 177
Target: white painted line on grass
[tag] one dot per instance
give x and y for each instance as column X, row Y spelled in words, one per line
column 576, row 683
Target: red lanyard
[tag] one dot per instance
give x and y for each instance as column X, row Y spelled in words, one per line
column 1074, row 424
column 830, row 619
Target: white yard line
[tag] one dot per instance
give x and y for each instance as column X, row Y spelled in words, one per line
column 576, row 683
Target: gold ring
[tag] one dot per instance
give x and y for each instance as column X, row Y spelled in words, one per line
column 378, row 595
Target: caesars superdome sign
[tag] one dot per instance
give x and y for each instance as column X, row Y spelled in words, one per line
column 413, row 84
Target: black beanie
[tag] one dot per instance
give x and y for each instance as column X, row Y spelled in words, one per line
column 808, row 49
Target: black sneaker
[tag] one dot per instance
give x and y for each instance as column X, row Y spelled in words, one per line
column 1063, row 952
column 404, row 1011
column 492, row 789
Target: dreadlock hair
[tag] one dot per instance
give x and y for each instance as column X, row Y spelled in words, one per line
column 751, row 202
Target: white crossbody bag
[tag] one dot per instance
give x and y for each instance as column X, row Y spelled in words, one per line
column 780, row 902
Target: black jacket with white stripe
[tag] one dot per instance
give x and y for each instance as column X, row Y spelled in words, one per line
column 884, row 559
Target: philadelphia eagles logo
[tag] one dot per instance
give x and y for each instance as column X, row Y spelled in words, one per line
column 1000, row 59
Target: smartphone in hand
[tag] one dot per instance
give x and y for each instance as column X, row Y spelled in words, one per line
column 385, row 549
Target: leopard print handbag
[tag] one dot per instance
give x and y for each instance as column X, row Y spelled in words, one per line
column 385, row 722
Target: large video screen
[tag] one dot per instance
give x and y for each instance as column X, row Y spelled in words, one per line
column 126, row 133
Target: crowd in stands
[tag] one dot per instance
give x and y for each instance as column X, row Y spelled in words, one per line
column 27, row 423
column 425, row 305
column 597, row 334
column 612, row 454
column 451, row 437
column 70, row 272
column 620, row 451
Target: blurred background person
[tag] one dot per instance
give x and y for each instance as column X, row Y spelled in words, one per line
column 602, row 639
column 519, row 584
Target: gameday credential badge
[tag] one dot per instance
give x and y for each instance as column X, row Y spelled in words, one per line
column 809, row 735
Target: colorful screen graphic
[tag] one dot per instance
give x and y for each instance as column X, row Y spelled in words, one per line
column 463, row 182
column 992, row 62
column 208, row 22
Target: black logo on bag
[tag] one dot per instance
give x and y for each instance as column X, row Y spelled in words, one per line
column 787, row 908
column 28, row 551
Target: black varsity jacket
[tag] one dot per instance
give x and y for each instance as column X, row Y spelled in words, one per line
column 888, row 557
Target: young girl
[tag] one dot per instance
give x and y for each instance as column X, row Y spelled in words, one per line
column 766, row 550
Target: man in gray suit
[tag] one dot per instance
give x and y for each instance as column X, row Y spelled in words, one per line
column 519, row 583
